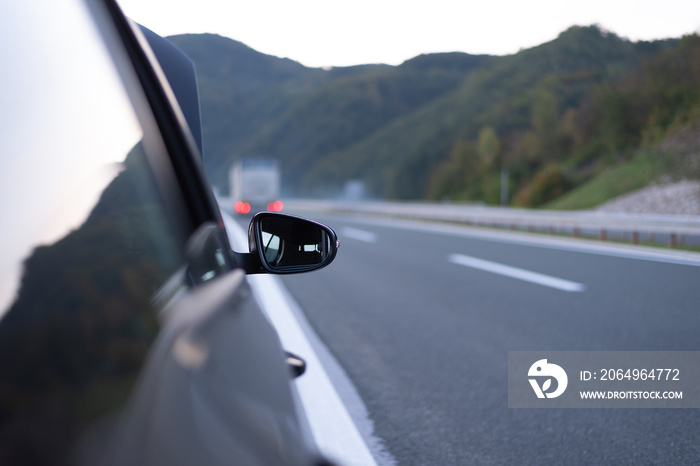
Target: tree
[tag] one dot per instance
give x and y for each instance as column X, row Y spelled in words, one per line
column 545, row 124
column 454, row 177
column 488, row 148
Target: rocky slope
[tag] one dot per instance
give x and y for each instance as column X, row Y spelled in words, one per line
column 680, row 198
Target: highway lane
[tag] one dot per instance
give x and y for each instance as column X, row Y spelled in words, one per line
column 425, row 340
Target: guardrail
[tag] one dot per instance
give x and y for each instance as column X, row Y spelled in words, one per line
column 673, row 230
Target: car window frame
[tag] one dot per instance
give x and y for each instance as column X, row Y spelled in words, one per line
column 170, row 147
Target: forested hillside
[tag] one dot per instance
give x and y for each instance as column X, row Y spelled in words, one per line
column 444, row 126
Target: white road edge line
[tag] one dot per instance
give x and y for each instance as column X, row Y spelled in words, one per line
column 514, row 272
column 334, row 431
column 580, row 245
column 361, row 235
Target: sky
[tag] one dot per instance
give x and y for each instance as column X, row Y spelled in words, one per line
column 325, row 33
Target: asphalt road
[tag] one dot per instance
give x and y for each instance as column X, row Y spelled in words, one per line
column 425, row 340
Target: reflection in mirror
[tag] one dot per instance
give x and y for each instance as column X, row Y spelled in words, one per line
column 271, row 247
column 289, row 243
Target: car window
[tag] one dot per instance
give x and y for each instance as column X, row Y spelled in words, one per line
column 90, row 248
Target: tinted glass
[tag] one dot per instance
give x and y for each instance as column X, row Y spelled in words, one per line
column 88, row 250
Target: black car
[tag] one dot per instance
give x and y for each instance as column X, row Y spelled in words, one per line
column 128, row 332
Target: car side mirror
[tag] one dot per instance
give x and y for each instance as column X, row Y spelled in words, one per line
column 284, row 244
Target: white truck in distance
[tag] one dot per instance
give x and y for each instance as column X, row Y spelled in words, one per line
column 255, row 185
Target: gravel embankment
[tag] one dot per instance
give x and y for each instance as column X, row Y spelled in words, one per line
column 681, row 198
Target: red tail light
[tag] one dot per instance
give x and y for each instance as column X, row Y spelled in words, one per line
column 276, row 206
column 242, row 207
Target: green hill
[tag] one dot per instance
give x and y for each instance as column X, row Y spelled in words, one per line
column 350, row 109
column 444, row 125
column 241, row 91
column 507, row 94
column 256, row 104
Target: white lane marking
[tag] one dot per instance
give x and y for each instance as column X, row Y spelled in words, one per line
column 335, row 432
column 514, row 272
column 361, row 235
column 333, row 429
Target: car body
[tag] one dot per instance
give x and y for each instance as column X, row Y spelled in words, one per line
column 128, row 331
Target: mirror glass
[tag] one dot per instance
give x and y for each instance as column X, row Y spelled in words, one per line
column 290, row 243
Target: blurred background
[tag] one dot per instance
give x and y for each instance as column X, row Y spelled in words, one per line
column 567, row 120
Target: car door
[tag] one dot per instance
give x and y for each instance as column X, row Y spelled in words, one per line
column 128, row 332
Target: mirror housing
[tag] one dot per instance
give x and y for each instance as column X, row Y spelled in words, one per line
column 285, row 244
